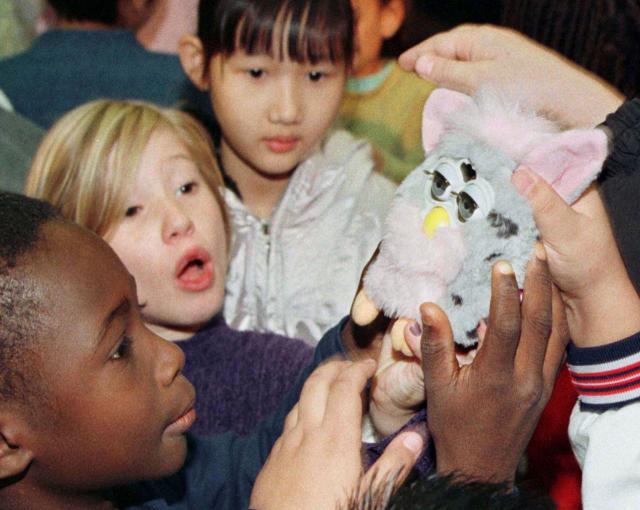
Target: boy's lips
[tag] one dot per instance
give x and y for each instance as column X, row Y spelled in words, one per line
column 194, row 271
column 183, row 422
column 281, row 144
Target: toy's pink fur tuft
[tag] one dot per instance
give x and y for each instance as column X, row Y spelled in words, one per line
column 568, row 160
column 497, row 120
column 417, row 268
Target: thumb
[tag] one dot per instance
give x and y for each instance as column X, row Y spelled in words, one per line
column 453, row 74
column 438, row 352
column 395, row 463
column 555, row 219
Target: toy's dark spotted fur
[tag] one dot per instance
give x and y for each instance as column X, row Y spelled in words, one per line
column 506, row 227
column 495, row 255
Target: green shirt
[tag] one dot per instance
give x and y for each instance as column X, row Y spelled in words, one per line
column 389, row 115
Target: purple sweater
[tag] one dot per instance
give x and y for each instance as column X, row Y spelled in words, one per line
column 239, row 376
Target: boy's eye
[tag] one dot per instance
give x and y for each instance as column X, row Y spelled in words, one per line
column 132, row 211
column 187, row 188
column 123, row 349
column 316, row 75
column 256, row 72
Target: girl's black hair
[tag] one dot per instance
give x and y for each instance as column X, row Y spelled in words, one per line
column 304, row 30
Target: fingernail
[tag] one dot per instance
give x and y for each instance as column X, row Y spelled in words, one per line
column 424, row 65
column 541, row 253
column 522, row 180
column 416, row 329
column 413, row 442
column 504, row 267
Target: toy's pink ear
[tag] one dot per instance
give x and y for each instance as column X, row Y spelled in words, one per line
column 440, row 104
column 569, row 161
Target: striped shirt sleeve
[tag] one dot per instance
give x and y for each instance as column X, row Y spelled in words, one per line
column 608, row 376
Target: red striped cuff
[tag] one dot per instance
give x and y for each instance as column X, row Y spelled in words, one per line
column 606, row 377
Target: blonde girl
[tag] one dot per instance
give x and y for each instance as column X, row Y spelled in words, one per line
column 145, row 179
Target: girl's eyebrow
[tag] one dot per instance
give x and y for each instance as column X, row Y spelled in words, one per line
column 179, row 155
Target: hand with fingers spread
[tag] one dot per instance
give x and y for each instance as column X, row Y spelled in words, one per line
column 316, row 462
column 470, row 56
column 481, row 416
column 601, row 303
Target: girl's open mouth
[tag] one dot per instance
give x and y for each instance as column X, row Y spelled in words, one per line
column 194, row 271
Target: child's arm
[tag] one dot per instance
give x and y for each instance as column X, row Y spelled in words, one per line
column 470, row 56
column 601, row 302
column 604, row 424
column 602, row 307
column 316, row 462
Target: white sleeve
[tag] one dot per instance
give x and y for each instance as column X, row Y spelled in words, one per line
column 607, row 446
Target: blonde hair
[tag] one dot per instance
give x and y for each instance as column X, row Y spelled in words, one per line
column 87, row 162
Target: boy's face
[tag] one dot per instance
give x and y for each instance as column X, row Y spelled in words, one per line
column 116, row 406
column 272, row 112
column 172, row 240
column 375, row 21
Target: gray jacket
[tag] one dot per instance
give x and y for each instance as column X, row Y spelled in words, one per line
column 297, row 273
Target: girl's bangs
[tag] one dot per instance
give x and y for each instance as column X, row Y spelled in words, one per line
column 302, row 30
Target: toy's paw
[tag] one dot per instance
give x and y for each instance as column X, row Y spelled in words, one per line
column 397, row 336
column 363, row 310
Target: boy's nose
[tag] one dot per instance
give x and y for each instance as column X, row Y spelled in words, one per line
column 169, row 361
column 176, row 223
column 286, row 107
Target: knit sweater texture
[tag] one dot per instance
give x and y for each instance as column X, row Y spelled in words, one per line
column 240, row 376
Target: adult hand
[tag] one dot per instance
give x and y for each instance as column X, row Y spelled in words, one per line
column 601, row 302
column 481, row 416
column 316, row 463
column 470, row 56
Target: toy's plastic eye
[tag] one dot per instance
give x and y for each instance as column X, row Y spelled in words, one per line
column 467, row 206
column 467, row 170
column 440, row 187
column 475, row 200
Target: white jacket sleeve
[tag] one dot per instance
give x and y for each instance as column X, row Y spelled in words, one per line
column 607, row 446
column 605, row 423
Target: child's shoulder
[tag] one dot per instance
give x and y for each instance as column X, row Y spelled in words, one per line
column 354, row 159
column 411, row 85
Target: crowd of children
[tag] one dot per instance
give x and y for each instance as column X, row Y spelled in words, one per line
column 155, row 263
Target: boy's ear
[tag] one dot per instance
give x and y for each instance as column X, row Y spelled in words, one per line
column 391, row 18
column 15, row 455
column 192, row 58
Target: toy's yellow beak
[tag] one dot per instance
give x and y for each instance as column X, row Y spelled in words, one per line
column 437, row 217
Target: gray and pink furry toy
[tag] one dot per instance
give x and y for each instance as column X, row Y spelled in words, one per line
column 456, row 214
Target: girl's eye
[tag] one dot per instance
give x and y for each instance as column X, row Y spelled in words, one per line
column 132, row 211
column 256, row 72
column 123, row 349
column 187, row 188
column 316, row 75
